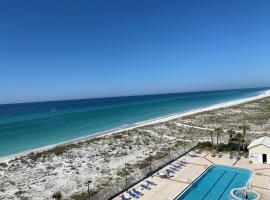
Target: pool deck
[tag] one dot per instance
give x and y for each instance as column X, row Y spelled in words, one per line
column 169, row 188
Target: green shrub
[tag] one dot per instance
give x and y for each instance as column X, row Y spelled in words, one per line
column 204, row 145
column 57, row 195
column 58, row 150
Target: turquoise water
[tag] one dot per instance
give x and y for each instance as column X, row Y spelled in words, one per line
column 250, row 195
column 216, row 183
column 32, row 125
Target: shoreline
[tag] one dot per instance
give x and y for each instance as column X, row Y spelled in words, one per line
column 166, row 118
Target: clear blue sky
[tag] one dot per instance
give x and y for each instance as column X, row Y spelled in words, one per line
column 56, row 49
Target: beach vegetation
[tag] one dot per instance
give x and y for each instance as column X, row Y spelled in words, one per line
column 243, row 141
column 148, row 143
column 231, row 134
column 212, row 139
column 118, row 136
column 238, row 139
column 179, row 143
column 19, row 193
column 207, row 146
column 3, row 164
column 204, row 145
column 82, row 196
column 57, row 195
column 58, row 150
column 218, row 132
column 121, row 173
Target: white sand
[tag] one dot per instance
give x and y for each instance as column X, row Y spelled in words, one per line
column 261, row 95
column 97, row 161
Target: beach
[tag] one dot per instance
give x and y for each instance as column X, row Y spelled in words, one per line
column 67, row 167
column 29, row 126
column 261, row 95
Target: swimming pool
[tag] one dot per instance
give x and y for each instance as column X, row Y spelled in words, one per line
column 216, row 183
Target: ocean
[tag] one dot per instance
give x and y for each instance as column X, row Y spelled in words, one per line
column 32, row 125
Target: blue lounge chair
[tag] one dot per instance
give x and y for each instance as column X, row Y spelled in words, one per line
column 174, row 168
column 177, row 166
column 123, row 197
column 180, row 163
column 150, row 182
column 237, row 157
column 184, row 161
column 143, row 186
column 132, row 194
column 169, row 171
column 137, row 192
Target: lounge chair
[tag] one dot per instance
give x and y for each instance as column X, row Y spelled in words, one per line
column 192, row 154
column 174, row 168
column 177, row 165
column 162, row 175
column 197, row 151
column 237, row 157
column 150, row 182
column 132, row 194
column 180, row 163
column 137, row 192
column 220, row 154
column 230, row 156
column 184, row 161
column 145, row 186
column 123, row 197
column 169, row 171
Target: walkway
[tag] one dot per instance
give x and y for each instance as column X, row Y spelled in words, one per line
column 168, row 189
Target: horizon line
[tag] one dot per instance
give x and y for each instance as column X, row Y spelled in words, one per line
column 138, row 95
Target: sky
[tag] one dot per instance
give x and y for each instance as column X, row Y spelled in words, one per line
column 53, row 50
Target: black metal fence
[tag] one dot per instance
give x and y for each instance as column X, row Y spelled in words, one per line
column 120, row 186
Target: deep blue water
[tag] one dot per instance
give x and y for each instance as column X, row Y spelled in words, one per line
column 32, row 125
column 216, row 183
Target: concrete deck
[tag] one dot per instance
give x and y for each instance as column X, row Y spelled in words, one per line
column 169, row 188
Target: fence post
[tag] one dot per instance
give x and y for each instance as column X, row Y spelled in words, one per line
column 123, row 184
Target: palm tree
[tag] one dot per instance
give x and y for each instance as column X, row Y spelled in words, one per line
column 212, row 140
column 218, row 132
column 244, row 128
column 231, row 133
column 238, row 137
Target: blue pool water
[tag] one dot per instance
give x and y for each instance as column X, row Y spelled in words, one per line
column 250, row 195
column 216, row 183
column 31, row 125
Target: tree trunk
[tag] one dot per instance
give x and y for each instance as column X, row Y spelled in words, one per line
column 239, row 146
column 244, row 135
column 229, row 143
column 212, row 140
column 217, row 144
